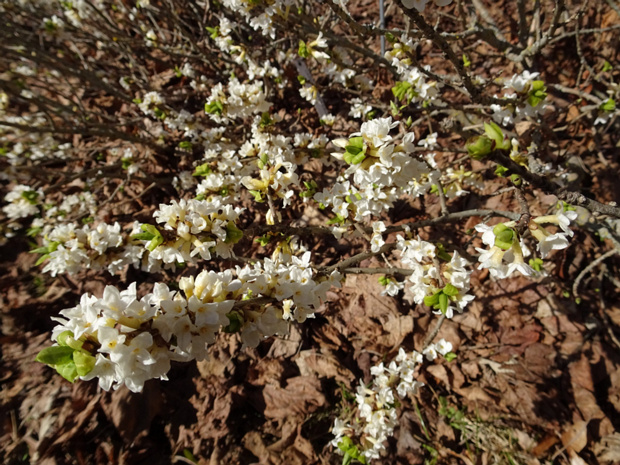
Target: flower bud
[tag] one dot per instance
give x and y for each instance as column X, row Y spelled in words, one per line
column 504, row 236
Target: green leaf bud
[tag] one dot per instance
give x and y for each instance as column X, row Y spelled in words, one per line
column 479, row 147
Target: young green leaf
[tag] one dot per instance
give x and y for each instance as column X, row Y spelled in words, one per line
column 68, row 371
column 202, row 170
column 479, row 147
column 608, row 105
column 55, row 355
column 450, row 290
column 84, row 362
column 302, row 50
column 494, row 132
column 233, row 233
column 152, row 234
column 444, row 301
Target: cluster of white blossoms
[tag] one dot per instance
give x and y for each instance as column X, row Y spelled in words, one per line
column 376, row 415
column 340, row 70
column 150, row 104
column 190, row 230
column 69, row 249
column 508, row 249
column 80, row 10
column 262, row 21
column 82, row 204
column 235, row 101
column 26, row 202
column 288, row 279
column 21, row 146
column 276, row 158
column 131, row 340
column 530, row 94
column 439, row 280
column 193, row 230
column 239, row 53
column 358, row 108
column 413, row 86
column 380, row 169
column 22, row 202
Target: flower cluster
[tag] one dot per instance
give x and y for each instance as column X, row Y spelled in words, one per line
column 364, row 436
column 21, row 146
column 192, row 230
column 508, row 249
column 131, row 340
column 413, row 86
column 380, row 169
column 197, row 228
column 262, row 21
column 69, row 249
column 22, row 202
column 530, row 94
column 151, row 104
column 439, row 280
column 239, row 53
column 236, row 101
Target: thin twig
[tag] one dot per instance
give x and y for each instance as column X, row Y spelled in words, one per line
column 376, row 270
column 429, row 339
column 547, row 36
column 572, row 197
column 322, row 230
column 590, row 267
column 441, row 42
column 608, row 323
column 442, row 198
column 526, row 216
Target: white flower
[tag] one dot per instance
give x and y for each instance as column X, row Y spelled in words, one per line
column 105, row 370
column 492, row 259
column 376, row 131
column 519, row 82
column 429, row 142
column 392, row 288
column 552, row 242
column 328, row 119
column 309, row 93
column 358, row 108
column 151, row 36
column 110, row 339
column 443, row 346
column 561, row 218
column 376, row 242
column 430, row 353
column 319, row 42
column 22, row 202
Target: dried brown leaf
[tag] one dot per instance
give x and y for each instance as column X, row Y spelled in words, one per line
column 301, row 396
column 575, row 436
column 324, row 366
column 132, row 413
